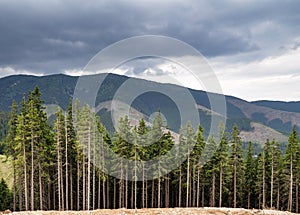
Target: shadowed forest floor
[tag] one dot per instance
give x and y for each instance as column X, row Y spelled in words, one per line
column 181, row 211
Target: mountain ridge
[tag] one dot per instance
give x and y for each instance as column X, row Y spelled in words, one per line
column 57, row 89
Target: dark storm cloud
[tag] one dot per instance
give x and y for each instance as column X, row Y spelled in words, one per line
column 55, row 36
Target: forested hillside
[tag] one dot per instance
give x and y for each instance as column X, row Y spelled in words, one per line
column 58, row 89
column 57, row 167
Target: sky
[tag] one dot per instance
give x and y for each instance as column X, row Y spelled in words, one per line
column 252, row 46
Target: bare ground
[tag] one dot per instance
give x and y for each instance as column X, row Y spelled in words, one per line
column 166, row 211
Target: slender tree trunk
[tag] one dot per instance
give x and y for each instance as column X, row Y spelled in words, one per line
column 213, row 185
column 234, row 183
column 94, row 181
column 158, row 192
column 194, row 188
column 121, row 186
column 32, row 175
column 202, row 196
column 290, row 202
column 20, row 194
column 187, row 180
column 146, row 191
column 89, row 169
column 198, row 187
column 221, row 186
column 107, row 193
column 40, row 185
column 58, row 171
column 99, row 190
column 14, row 184
column 167, row 194
column 71, row 185
column 115, row 193
column 66, row 157
column 143, row 187
column 248, row 204
column 126, row 187
column 297, row 197
column 49, row 195
column 278, row 195
column 25, row 178
column 83, row 184
column 78, row 184
column 264, row 185
column 152, row 194
column 132, row 195
column 103, row 194
column 179, row 187
column 54, row 197
column 62, row 185
column 272, row 181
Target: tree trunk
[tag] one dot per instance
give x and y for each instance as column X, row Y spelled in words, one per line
column 25, row 177
column 198, row 188
column 58, row 172
column 290, row 202
column 179, row 188
column 126, row 187
column 14, row 184
column 20, row 194
column 32, row 175
column 103, row 194
column 264, row 184
column 278, row 195
column 272, row 181
column 49, row 195
column 83, row 184
column 297, row 197
column 107, row 193
column 78, row 184
column 213, row 185
column 89, row 169
column 40, row 185
column 187, row 180
column 115, row 193
column 67, row 176
column 221, row 186
column 62, row 186
column 143, row 187
column 152, row 194
column 234, row 183
column 99, row 190
column 158, row 192
column 71, row 185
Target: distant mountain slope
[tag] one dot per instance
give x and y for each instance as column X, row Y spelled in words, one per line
column 277, row 119
column 58, row 89
column 55, row 89
column 285, row 106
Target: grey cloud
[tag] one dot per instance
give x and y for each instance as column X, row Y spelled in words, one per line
column 58, row 35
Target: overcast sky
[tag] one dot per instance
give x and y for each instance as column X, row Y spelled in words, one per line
column 253, row 46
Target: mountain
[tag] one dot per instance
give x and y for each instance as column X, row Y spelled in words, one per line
column 257, row 120
column 278, row 105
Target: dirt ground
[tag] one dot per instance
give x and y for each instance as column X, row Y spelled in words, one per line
column 166, row 211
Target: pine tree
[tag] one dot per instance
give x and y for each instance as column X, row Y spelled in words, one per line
column 5, row 197
column 222, row 158
column 250, row 175
column 238, row 166
column 291, row 158
column 10, row 149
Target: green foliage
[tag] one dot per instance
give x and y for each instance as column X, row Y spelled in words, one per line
column 5, row 196
column 216, row 170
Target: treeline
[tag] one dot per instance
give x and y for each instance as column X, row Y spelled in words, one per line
column 57, row 167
